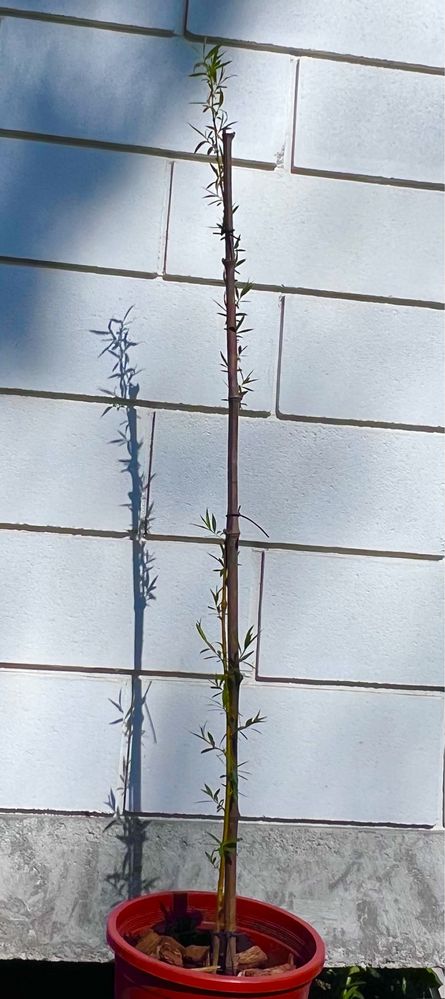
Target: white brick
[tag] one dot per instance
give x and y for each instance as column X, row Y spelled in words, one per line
column 164, row 15
column 384, row 29
column 311, row 232
column 59, row 467
column 185, row 577
column 58, row 746
column 69, row 601
column 66, row 601
column 71, row 88
column 344, row 738
column 334, row 617
column 362, row 361
column 305, row 484
column 46, row 343
column 81, row 206
column 363, row 120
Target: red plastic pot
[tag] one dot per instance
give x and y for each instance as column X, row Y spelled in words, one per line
column 276, row 931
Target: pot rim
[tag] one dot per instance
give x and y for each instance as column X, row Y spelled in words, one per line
column 216, row 983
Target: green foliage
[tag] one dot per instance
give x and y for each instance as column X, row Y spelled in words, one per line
column 250, row 722
column 212, row 70
column 375, row 983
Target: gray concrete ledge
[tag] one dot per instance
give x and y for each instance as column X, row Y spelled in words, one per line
column 375, row 894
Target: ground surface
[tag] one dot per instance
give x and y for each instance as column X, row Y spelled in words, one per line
column 19, row 979
column 52, row 980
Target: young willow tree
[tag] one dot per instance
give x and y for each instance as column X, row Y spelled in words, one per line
column 232, row 656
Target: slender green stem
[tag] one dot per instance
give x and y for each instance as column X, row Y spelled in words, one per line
column 221, row 873
column 232, row 536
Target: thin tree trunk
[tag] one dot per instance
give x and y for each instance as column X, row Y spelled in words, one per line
column 232, row 544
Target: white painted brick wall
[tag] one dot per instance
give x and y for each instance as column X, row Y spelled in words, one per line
column 305, row 484
column 177, row 327
column 362, row 361
column 116, row 224
column 159, row 15
column 66, row 64
column 48, row 759
column 365, row 727
column 356, row 119
column 68, row 601
column 102, row 209
column 346, row 617
column 311, row 232
column 385, row 30
column 59, row 466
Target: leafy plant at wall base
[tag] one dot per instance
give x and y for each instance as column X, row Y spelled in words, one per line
column 375, row 983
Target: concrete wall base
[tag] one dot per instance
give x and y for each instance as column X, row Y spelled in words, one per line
column 373, row 893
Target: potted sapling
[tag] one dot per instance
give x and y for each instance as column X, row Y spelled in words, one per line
column 196, row 943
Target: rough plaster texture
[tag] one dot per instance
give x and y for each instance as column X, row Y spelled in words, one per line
column 375, row 895
column 338, row 176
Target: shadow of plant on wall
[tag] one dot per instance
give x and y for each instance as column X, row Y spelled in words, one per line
column 126, row 800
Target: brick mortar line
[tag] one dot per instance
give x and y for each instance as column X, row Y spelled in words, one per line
column 269, row 820
column 284, row 546
column 279, row 355
column 180, row 675
column 85, row 22
column 185, row 18
column 259, row 617
column 358, row 178
column 158, row 152
column 167, row 219
column 131, row 148
column 407, row 67
column 129, row 28
column 254, row 414
column 301, row 681
column 145, row 522
column 140, row 403
column 443, row 787
column 254, row 820
column 295, row 113
column 330, row 421
column 346, row 296
column 256, row 545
